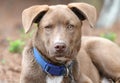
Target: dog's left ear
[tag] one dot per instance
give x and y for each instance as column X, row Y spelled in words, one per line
column 84, row 11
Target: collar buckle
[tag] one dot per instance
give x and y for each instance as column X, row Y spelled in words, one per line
column 67, row 72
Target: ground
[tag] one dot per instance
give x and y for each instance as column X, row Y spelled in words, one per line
column 10, row 63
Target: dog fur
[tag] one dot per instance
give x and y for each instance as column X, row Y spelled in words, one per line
column 94, row 58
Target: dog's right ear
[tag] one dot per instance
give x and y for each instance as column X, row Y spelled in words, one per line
column 84, row 11
column 33, row 15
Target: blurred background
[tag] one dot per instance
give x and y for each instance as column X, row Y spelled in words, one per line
column 13, row 38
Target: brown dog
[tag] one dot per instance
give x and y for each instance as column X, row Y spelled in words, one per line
column 57, row 43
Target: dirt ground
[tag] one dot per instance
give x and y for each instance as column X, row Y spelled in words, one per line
column 10, row 25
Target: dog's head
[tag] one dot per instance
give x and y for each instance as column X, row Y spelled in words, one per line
column 58, row 36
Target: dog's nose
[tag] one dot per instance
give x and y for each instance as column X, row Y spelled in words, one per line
column 60, row 47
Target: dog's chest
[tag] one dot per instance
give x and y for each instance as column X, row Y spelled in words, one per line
column 56, row 79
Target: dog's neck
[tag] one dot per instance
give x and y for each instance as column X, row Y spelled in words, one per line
column 57, row 78
column 70, row 78
column 47, row 66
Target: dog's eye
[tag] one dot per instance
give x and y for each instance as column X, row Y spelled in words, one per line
column 70, row 26
column 48, row 26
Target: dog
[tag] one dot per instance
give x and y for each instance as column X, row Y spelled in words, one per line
column 57, row 53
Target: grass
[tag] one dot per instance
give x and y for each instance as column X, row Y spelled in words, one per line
column 3, row 61
column 111, row 36
column 16, row 46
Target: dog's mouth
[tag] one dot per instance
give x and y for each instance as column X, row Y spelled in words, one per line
column 61, row 57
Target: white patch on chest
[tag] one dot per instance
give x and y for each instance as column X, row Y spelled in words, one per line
column 105, row 80
column 55, row 79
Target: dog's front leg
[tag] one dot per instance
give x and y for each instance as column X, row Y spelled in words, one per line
column 32, row 75
column 85, row 79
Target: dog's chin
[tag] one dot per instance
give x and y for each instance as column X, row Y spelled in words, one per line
column 61, row 59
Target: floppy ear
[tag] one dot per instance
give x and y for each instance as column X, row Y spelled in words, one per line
column 32, row 15
column 84, row 11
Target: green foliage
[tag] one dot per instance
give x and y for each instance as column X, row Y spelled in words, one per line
column 111, row 36
column 3, row 61
column 16, row 46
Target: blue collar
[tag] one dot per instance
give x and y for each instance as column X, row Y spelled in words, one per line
column 48, row 67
